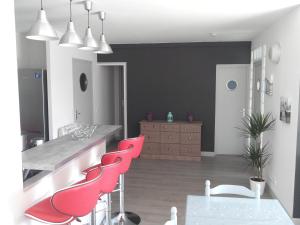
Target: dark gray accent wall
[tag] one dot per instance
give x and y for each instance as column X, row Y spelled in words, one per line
column 296, row 211
column 175, row 77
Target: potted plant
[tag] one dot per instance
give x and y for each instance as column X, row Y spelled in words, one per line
column 256, row 153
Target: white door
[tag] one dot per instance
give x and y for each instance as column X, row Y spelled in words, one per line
column 82, row 86
column 231, row 92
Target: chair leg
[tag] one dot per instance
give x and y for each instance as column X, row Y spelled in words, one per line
column 123, row 217
column 107, row 219
column 93, row 217
column 108, row 210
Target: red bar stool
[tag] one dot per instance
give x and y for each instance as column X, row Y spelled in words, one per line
column 69, row 203
column 107, row 163
column 123, row 217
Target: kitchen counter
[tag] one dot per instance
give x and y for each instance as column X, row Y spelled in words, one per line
column 57, row 152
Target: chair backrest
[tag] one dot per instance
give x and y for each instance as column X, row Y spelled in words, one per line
column 173, row 220
column 125, row 156
column 136, row 142
column 111, row 169
column 231, row 189
column 79, row 199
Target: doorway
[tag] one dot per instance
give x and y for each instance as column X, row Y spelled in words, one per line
column 83, row 91
column 231, row 103
column 110, row 93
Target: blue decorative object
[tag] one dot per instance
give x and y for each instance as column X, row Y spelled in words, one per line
column 170, row 117
column 37, row 75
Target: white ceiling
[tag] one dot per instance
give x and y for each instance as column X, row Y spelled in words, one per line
column 160, row 21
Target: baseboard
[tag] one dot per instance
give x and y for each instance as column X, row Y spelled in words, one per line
column 208, row 154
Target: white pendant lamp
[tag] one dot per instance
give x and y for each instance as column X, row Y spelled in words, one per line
column 70, row 37
column 89, row 42
column 104, row 47
column 42, row 30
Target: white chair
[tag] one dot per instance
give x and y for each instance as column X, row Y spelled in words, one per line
column 231, row 189
column 173, row 220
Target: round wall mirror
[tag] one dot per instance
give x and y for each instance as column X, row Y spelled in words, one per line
column 232, row 85
column 83, row 82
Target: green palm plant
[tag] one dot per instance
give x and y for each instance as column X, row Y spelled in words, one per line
column 255, row 124
column 256, row 154
column 258, row 158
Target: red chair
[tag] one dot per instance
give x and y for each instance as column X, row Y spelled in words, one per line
column 107, row 161
column 136, row 142
column 69, row 203
column 123, row 217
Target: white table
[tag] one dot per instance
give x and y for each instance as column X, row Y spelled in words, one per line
column 202, row 210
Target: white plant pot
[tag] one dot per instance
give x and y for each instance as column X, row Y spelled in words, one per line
column 253, row 185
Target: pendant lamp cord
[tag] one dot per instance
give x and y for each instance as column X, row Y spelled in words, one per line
column 88, row 18
column 70, row 10
column 42, row 8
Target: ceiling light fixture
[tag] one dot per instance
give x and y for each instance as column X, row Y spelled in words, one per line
column 104, row 47
column 70, row 37
column 42, row 30
column 89, row 42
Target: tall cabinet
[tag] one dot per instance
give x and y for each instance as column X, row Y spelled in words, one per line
column 175, row 141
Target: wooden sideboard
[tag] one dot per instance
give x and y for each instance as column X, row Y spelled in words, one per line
column 175, row 141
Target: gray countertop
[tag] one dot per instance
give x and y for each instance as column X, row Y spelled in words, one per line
column 57, row 152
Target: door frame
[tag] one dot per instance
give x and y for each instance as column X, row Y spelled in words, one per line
column 246, row 66
column 258, row 54
column 124, row 65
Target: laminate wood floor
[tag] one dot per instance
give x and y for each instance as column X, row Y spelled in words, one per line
column 152, row 187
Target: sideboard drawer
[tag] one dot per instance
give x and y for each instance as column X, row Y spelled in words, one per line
column 151, row 148
column 179, row 140
column 190, row 138
column 190, row 150
column 190, row 128
column 149, row 127
column 152, row 136
column 170, row 149
column 169, row 127
column 169, row 137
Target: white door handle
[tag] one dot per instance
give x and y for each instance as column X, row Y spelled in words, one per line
column 76, row 114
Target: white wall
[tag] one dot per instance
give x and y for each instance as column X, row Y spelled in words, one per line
column 281, row 170
column 60, row 83
column 11, row 190
column 31, row 54
column 104, row 100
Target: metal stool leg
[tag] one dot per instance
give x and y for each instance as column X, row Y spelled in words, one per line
column 108, row 210
column 122, row 217
column 93, row 217
column 107, row 218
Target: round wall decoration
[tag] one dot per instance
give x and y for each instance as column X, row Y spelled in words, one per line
column 83, row 81
column 231, row 85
